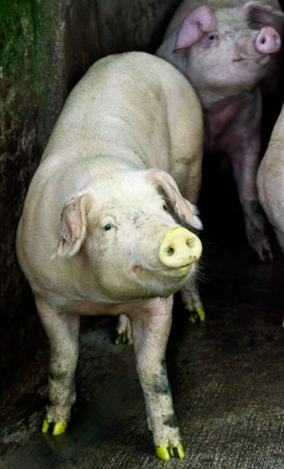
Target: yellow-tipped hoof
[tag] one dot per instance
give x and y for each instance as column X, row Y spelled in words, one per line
column 201, row 314
column 59, row 428
column 163, row 453
column 177, row 451
column 45, row 426
column 121, row 338
column 197, row 316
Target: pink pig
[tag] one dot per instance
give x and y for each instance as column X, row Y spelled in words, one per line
column 226, row 52
column 105, row 228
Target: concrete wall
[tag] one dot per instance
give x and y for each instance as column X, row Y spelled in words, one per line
column 45, row 47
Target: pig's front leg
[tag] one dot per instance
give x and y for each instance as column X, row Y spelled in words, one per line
column 245, row 162
column 150, row 330
column 63, row 333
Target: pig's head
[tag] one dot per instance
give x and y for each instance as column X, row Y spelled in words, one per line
column 131, row 232
column 226, row 51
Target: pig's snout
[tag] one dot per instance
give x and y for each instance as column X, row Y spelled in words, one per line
column 268, row 40
column 179, row 248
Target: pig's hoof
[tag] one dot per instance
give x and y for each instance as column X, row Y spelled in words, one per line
column 165, row 452
column 57, row 428
column 122, row 338
column 197, row 316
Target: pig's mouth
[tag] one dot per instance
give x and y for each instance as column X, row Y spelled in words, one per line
column 262, row 60
column 181, row 272
column 174, row 273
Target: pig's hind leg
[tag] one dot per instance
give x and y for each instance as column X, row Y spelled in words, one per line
column 150, row 329
column 192, row 302
column 190, row 292
column 245, row 163
column 63, row 333
column 123, row 331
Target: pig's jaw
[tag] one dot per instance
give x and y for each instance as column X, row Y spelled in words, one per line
column 141, row 284
column 162, row 282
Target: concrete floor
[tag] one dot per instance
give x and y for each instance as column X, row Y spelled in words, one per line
column 227, row 379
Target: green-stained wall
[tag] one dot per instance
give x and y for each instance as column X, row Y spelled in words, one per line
column 18, row 157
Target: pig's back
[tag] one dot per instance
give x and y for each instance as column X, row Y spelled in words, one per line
column 123, row 101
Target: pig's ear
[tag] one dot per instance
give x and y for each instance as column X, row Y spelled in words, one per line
column 260, row 13
column 73, row 225
column 184, row 211
column 199, row 21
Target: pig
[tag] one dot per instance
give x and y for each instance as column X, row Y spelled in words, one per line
column 228, row 52
column 270, row 180
column 108, row 227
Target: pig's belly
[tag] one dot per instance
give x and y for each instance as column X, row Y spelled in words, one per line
column 89, row 308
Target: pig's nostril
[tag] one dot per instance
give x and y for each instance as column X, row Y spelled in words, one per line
column 170, row 251
column 262, row 40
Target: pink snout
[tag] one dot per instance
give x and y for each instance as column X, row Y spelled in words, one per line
column 268, row 41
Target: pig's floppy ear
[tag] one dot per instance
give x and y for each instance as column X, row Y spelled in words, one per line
column 191, row 29
column 73, row 225
column 183, row 209
column 258, row 12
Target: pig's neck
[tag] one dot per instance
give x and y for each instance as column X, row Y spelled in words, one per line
column 224, row 97
column 228, row 118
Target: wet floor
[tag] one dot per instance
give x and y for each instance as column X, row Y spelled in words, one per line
column 227, row 379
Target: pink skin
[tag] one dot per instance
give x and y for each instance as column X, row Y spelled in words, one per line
column 268, row 41
column 225, row 60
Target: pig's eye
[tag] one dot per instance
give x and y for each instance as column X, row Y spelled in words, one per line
column 212, row 37
column 108, row 227
column 167, row 206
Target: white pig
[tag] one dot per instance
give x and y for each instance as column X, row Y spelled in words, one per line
column 225, row 50
column 103, row 229
column 270, row 180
